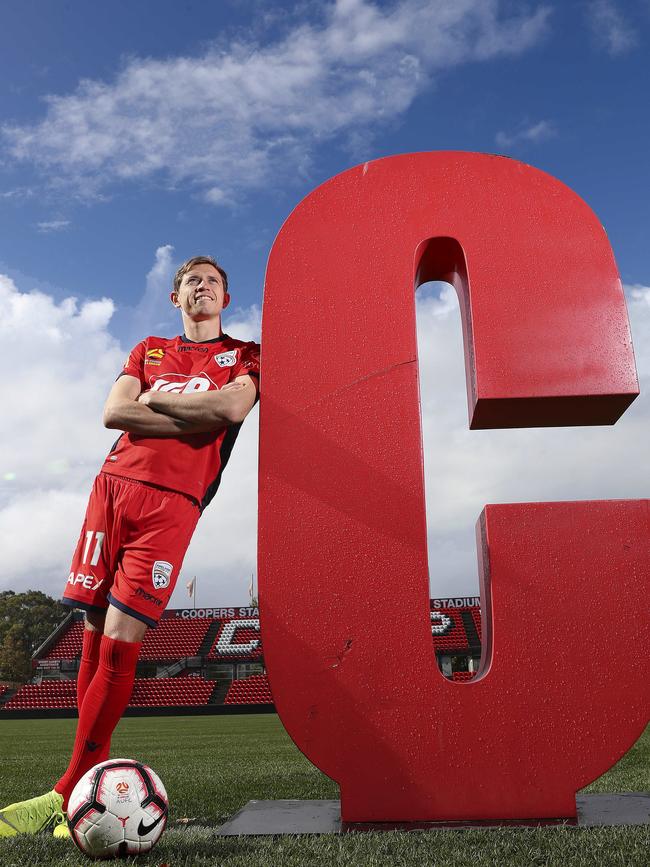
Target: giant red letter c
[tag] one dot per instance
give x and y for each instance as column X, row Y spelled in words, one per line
column 342, row 540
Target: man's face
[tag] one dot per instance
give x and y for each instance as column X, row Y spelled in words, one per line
column 201, row 294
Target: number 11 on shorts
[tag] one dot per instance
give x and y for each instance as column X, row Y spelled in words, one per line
column 99, row 539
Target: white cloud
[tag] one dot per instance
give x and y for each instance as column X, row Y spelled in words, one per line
column 54, row 443
column 52, row 397
column 54, row 386
column 152, row 312
column 251, row 115
column 215, row 196
column 465, row 470
column 534, row 133
column 611, row 31
column 244, row 323
column 52, row 225
column 17, row 193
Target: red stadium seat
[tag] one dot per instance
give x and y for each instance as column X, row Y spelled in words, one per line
column 147, row 692
column 174, row 638
column 251, row 690
column 462, row 676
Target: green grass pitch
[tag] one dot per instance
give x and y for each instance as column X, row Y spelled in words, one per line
column 213, row 765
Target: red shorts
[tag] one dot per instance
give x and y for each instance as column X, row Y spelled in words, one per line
column 131, row 548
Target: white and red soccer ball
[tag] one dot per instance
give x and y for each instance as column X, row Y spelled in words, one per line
column 117, row 808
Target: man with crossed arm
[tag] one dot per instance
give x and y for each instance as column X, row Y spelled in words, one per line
column 180, row 403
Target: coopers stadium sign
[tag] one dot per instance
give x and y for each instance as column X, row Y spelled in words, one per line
column 342, row 526
column 218, row 613
column 241, row 611
column 456, row 602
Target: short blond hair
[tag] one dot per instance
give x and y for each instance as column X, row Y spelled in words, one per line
column 199, row 260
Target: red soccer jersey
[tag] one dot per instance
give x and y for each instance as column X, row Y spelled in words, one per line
column 192, row 464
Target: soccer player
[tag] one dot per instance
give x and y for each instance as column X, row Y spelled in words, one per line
column 180, row 403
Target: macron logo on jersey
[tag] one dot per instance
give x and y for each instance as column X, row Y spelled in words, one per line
column 181, row 383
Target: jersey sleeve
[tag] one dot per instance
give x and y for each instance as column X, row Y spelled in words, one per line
column 134, row 364
column 248, row 362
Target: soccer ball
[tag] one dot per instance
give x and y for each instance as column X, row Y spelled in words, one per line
column 118, row 808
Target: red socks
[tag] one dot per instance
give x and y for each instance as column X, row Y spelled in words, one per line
column 104, row 702
column 89, row 662
column 87, row 667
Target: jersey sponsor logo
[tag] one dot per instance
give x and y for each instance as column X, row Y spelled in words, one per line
column 161, row 574
column 226, row 359
column 192, row 348
column 154, row 356
column 89, row 582
column 181, row 383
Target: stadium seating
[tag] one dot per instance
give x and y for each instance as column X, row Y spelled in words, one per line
column 69, row 645
column 147, row 692
column 454, row 638
column 48, row 694
column 173, row 638
column 210, row 640
column 462, row 676
column 172, row 691
column 251, row 690
column 476, row 617
column 239, row 638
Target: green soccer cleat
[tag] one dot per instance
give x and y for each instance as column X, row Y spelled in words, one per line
column 61, row 830
column 31, row 816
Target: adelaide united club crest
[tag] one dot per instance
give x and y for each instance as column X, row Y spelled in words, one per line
column 226, row 359
column 161, row 574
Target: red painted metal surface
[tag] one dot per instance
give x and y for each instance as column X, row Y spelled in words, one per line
column 342, row 540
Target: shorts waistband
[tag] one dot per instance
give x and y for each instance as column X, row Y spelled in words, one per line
column 153, row 485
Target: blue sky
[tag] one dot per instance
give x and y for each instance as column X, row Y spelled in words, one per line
column 135, row 134
column 568, row 94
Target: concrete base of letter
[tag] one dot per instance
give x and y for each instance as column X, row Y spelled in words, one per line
column 260, row 818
